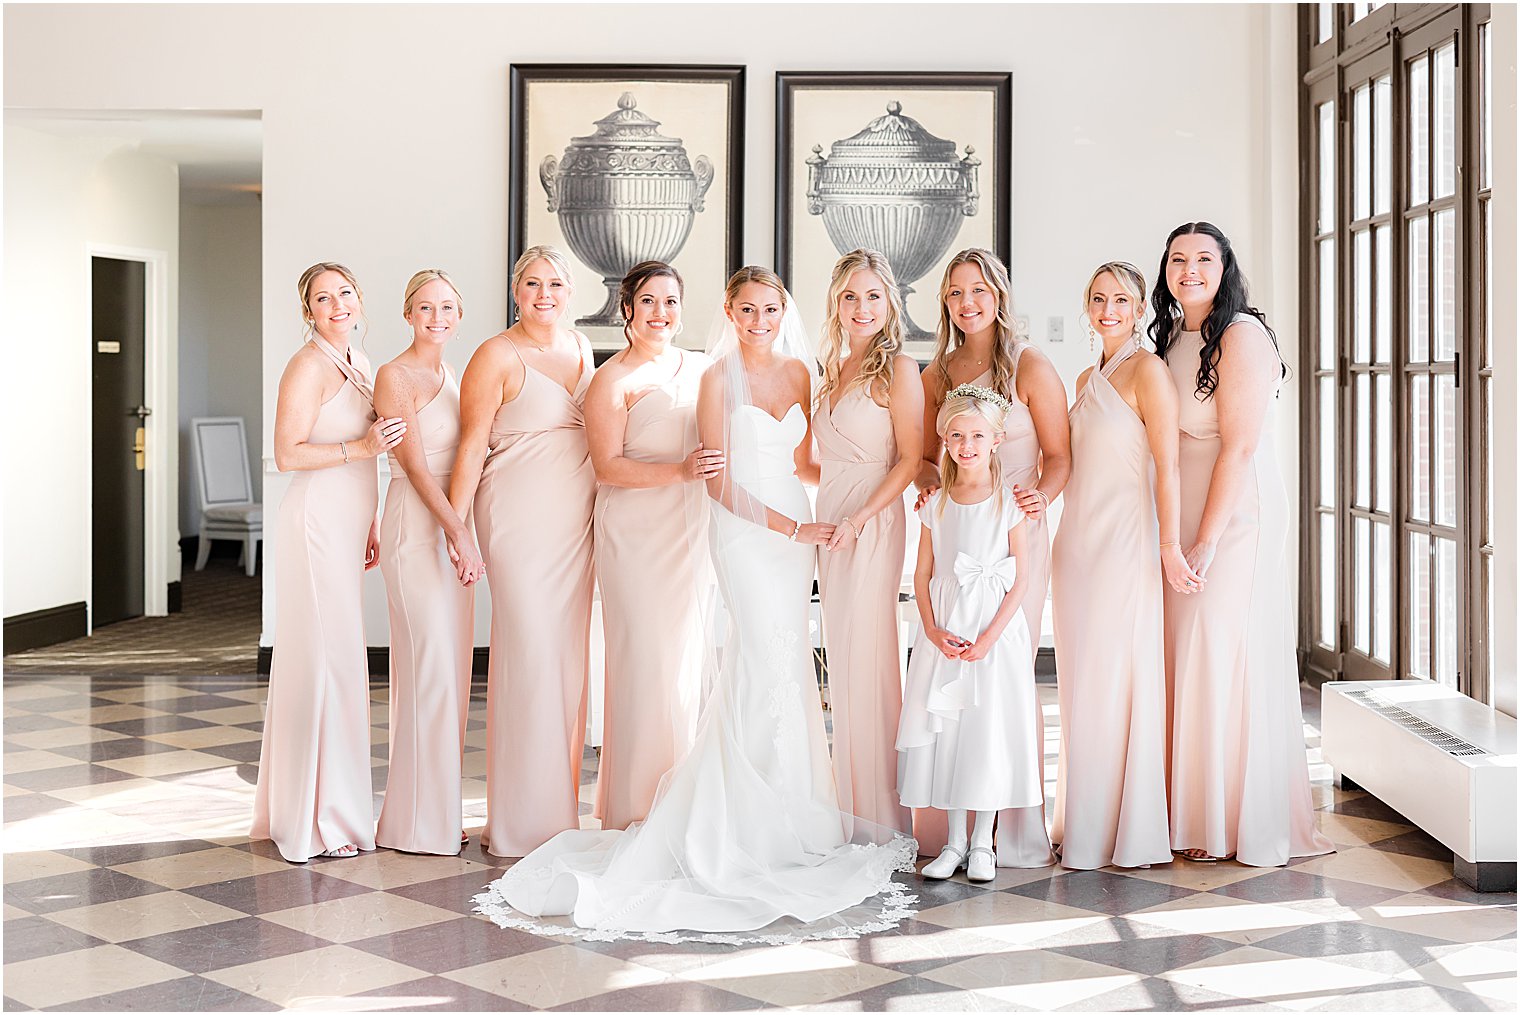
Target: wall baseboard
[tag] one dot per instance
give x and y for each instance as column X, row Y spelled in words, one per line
column 41, row 628
column 379, row 661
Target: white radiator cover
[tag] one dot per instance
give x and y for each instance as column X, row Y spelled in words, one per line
column 1459, row 788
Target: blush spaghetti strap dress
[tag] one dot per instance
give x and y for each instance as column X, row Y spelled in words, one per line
column 1239, row 771
column 533, row 519
column 314, row 792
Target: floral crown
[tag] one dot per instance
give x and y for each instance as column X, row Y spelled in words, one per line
column 980, row 393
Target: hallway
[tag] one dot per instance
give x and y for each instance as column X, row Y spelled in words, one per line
column 130, row 883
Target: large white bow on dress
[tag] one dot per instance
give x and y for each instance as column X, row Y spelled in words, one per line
column 982, row 588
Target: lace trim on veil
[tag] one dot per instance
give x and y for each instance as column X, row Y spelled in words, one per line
column 888, row 905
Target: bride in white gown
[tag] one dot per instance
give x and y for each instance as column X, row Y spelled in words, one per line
column 745, row 841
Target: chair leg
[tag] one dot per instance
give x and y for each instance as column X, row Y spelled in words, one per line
column 250, row 554
column 202, row 553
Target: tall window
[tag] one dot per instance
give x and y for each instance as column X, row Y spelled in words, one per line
column 1396, row 545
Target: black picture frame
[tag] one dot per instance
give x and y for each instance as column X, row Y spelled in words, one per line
column 527, row 147
column 994, row 174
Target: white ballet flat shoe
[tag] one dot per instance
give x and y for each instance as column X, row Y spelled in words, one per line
column 981, row 864
column 945, row 865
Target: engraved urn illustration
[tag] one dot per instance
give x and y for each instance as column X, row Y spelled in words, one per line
column 624, row 194
column 898, row 189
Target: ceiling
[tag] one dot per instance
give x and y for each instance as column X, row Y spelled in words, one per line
column 219, row 152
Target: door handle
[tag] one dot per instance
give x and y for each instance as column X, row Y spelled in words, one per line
column 141, row 412
column 140, row 447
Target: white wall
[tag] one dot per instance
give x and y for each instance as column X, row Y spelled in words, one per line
column 61, row 196
column 385, row 140
column 220, row 338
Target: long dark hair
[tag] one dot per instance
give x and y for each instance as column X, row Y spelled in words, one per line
column 1233, row 298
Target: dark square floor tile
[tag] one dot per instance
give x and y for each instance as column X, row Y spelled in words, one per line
column 233, row 943
column 270, row 893
column 1415, row 843
column 65, row 777
column 117, row 853
column 444, row 947
column 1368, row 806
column 203, row 702
column 434, row 993
column 11, row 1005
column 1151, row 955
column 675, row 995
column 1380, row 949
column 33, row 937
column 32, row 723
column 156, row 724
column 1296, row 886
column 258, row 847
column 450, row 893
column 1456, row 890
column 31, row 805
column 1101, row 892
column 188, row 993
column 114, row 750
column 941, row 893
column 80, row 888
column 245, row 753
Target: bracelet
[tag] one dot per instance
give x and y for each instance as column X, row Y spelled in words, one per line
column 853, row 526
column 796, row 528
column 343, row 447
column 1173, row 543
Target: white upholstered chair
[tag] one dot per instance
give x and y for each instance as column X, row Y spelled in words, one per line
column 228, row 510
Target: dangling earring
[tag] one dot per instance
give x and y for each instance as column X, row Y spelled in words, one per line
column 1092, row 338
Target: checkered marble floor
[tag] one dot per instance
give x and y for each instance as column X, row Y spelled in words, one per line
column 130, row 883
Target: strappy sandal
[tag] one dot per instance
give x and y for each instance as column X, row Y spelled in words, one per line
column 1203, row 857
column 979, row 876
column 343, row 852
column 958, row 856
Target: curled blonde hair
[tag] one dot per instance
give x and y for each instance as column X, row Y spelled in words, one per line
column 421, row 279
column 303, row 287
column 948, row 337
column 1130, row 281
column 964, row 403
column 546, row 252
column 876, row 363
column 753, row 273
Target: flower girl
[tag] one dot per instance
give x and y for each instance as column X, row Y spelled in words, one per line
column 966, row 740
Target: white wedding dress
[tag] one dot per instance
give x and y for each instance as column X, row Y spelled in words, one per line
column 745, row 842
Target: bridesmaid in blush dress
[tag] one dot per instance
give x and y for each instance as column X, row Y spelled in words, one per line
column 524, row 466
column 1239, row 772
column 977, row 345
column 314, row 796
column 1120, row 509
column 650, row 530
column 867, row 422
column 431, row 611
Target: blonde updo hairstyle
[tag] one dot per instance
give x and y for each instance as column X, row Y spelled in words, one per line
column 967, row 405
column 948, row 337
column 1131, row 282
column 753, row 273
column 303, row 288
column 877, row 360
column 421, row 279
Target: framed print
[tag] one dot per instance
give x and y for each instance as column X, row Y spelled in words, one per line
column 617, row 164
column 915, row 165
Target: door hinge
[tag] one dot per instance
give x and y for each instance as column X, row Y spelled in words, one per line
column 1343, row 371
column 1457, row 366
column 1345, row 636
